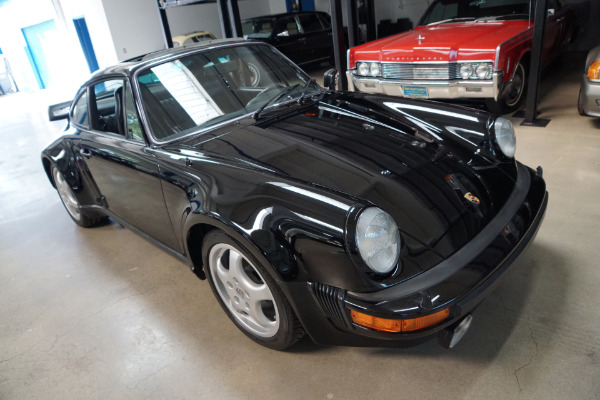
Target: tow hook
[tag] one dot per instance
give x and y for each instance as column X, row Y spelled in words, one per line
column 450, row 336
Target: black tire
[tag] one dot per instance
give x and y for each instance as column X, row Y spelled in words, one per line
column 512, row 95
column 248, row 294
column 67, row 197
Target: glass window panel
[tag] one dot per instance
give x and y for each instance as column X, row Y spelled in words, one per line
column 134, row 129
column 80, row 114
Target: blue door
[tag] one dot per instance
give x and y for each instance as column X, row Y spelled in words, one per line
column 35, row 37
column 307, row 5
column 86, row 43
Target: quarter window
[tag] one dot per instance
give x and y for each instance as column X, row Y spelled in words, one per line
column 80, row 114
column 134, row 129
column 108, row 102
column 310, row 23
column 287, row 27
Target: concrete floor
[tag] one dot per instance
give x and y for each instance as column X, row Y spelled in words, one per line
column 102, row 314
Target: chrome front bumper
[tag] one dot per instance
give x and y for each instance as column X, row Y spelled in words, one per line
column 453, row 89
column 589, row 98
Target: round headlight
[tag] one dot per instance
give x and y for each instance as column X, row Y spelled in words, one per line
column 363, row 69
column 374, row 69
column 466, row 70
column 505, row 136
column 484, row 71
column 378, row 240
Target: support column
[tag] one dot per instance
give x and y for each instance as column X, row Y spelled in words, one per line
column 539, row 28
column 339, row 49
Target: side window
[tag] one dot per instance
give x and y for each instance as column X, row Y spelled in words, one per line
column 80, row 114
column 286, row 27
column 325, row 21
column 108, row 104
column 134, row 129
column 310, row 23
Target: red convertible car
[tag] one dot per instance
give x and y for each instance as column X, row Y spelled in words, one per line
column 462, row 49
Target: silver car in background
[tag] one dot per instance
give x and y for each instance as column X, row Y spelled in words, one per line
column 589, row 95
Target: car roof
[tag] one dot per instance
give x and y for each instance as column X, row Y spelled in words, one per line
column 128, row 67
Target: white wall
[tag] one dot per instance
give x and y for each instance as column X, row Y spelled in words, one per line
column 64, row 55
column 277, row 6
column 95, row 19
column 135, row 27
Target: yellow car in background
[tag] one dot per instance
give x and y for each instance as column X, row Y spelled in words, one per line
column 194, row 37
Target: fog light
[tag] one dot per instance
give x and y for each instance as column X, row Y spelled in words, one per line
column 398, row 325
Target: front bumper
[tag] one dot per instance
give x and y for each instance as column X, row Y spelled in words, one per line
column 452, row 89
column 589, row 98
column 459, row 283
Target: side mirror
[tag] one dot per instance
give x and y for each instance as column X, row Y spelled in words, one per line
column 59, row 111
column 330, row 79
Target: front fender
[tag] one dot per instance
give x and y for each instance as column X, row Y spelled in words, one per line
column 302, row 238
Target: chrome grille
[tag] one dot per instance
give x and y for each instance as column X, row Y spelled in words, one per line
column 403, row 71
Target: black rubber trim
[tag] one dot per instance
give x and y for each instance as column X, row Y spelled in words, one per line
column 462, row 257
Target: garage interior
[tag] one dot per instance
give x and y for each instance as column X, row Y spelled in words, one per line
column 102, row 313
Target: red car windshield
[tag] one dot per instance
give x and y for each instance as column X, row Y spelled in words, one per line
column 443, row 11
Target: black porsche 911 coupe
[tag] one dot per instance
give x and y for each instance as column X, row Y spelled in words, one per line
column 357, row 219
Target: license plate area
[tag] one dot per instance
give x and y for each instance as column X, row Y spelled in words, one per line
column 415, row 91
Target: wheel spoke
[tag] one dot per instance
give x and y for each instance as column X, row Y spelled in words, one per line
column 66, row 195
column 257, row 313
column 223, row 273
column 243, row 291
column 259, row 292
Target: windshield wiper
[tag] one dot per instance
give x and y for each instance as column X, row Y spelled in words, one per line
column 511, row 17
column 272, row 100
column 305, row 90
column 446, row 21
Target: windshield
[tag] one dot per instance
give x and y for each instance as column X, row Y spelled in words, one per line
column 453, row 10
column 199, row 90
column 258, row 27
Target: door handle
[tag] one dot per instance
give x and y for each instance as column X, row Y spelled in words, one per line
column 85, row 152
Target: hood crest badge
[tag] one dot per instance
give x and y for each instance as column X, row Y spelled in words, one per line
column 472, row 198
column 420, row 38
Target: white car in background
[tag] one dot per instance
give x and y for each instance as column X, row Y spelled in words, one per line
column 190, row 38
column 589, row 95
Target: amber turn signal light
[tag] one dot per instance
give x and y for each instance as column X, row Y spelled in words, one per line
column 594, row 71
column 399, row 325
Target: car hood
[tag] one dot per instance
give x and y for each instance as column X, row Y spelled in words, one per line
column 474, row 40
column 421, row 164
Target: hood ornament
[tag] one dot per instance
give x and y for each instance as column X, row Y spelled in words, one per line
column 472, row 198
column 420, row 38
